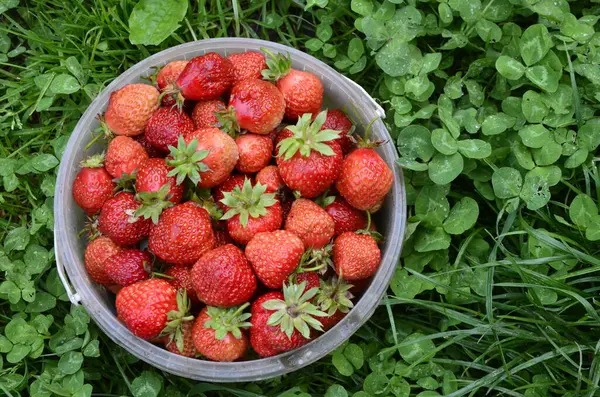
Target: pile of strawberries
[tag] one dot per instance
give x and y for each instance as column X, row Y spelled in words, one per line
column 238, row 208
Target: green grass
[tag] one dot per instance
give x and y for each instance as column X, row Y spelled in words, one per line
column 508, row 307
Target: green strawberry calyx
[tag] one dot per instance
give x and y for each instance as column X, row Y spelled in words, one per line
column 334, row 295
column 278, row 65
column 227, row 122
column 231, row 320
column 249, row 201
column 95, row 161
column 126, row 182
column 187, row 161
column 308, row 137
column 325, row 199
column 176, row 319
column 295, row 311
column 378, row 237
column 153, row 203
column 316, row 260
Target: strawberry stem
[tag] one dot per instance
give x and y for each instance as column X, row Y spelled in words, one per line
column 231, row 320
column 153, row 203
column 95, row 161
column 308, row 137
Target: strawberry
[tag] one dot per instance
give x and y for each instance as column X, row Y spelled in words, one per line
column 181, row 278
column 128, row 267
column 206, row 156
column 338, row 121
column 356, row 256
column 270, row 177
column 255, row 152
column 365, row 179
column 251, row 211
column 130, row 108
column 185, row 342
column 205, row 77
column 219, row 334
column 274, row 256
column 96, row 253
column 144, row 307
column 155, row 189
column 123, row 156
column 151, row 150
column 311, row 223
column 302, row 91
column 346, row 217
column 166, row 78
column 335, row 299
column 93, row 185
column 182, row 235
column 115, row 220
column 227, row 186
column 222, row 238
column 254, row 105
column 311, row 279
column 165, row 126
column 203, row 114
column 247, row 65
column 222, row 277
column 282, row 321
column 309, row 159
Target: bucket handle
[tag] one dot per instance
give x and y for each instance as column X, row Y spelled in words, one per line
column 71, row 293
column 377, row 107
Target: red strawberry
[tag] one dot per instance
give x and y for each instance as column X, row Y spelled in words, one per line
column 169, row 73
column 124, row 155
column 93, row 185
column 247, row 65
column 166, row 78
column 115, row 220
column 329, row 321
column 283, row 321
column 144, row 306
column 222, row 277
column 128, row 267
column 222, row 238
column 206, row 156
column 155, row 189
column 251, row 211
column 270, row 177
column 165, row 126
column 152, row 175
column 274, row 256
column 151, row 150
column 355, row 256
column 96, row 253
column 130, row 108
column 338, row 121
column 365, row 179
column 335, row 299
column 346, row 217
column 311, row 223
column 219, row 334
column 186, row 341
column 309, row 159
column 205, row 77
column 182, row 279
column 203, row 114
column 255, row 152
column 227, row 186
column 302, row 91
column 312, row 279
column 256, row 106
column 182, row 235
